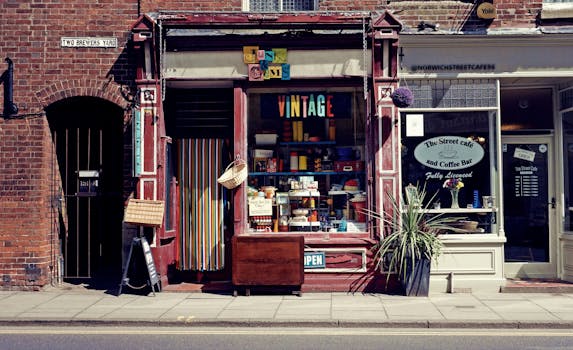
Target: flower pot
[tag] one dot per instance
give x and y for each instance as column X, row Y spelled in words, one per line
column 416, row 281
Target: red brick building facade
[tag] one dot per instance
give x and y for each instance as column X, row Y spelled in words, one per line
column 85, row 95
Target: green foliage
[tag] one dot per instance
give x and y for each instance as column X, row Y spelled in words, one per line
column 411, row 232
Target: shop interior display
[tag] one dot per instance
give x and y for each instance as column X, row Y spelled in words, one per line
column 304, row 179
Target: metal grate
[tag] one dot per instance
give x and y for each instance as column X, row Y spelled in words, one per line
column 281, row 5
column 457, row 93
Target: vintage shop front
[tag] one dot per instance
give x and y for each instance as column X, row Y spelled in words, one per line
column 303, row 100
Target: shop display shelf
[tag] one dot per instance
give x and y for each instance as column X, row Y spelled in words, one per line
column 308, row 143
column 306, row 173
column 459, row 210
column 303, row 193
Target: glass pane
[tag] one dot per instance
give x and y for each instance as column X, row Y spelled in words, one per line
column 452, row 146
column 298, row 5
column 453, row 93
column 278, row 5
column 526, row 109
column 525, row 188
column 566, row 98
column 264, row 5
column 568, row 169
column 307, row 156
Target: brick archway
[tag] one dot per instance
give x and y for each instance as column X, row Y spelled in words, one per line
column 103, row 88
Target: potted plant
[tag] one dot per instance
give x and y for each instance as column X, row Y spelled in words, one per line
column 412, row 239
column 402, row 97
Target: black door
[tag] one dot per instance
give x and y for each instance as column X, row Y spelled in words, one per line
column 87, row 140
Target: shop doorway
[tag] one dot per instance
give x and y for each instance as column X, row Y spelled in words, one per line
column 200, row 121
column 529, row 206
column 87, row 168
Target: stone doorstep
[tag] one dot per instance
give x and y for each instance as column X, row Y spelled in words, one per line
column 537, row 286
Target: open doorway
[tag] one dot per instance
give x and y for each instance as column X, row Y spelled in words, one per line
column 529, row 178
column 88, row 168
column 200, row 122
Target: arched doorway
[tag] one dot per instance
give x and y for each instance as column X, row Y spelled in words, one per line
column 88, row 168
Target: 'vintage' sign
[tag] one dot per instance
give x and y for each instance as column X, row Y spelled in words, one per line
column 449, row 153
column 307, row 105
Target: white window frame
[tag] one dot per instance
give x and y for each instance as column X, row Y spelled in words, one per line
column 556, row 9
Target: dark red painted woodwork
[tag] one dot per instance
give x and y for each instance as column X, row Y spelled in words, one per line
column 268, row 260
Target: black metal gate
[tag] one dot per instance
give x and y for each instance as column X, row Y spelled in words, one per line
column 87, row 136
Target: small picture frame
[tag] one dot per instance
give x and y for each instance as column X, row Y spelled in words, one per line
column 148, row 96
column 412, row 196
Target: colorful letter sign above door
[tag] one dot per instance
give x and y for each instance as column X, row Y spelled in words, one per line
column 266, row 64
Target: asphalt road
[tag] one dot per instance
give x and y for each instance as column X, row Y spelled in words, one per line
column 127, row 338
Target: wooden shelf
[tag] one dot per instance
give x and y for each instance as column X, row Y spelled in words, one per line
column 460, row 211
column 306, row 173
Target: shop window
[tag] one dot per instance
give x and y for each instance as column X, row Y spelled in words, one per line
column 568, row 168
column 306, row 160
column 280, row 5
column 526, row 110
column 452, row 146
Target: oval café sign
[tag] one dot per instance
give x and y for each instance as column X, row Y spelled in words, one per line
column 449, row 153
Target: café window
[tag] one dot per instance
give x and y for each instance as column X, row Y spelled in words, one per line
column 306, row 161
column 443, row 147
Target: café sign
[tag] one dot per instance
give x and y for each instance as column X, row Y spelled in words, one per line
column 486, row 10
column 449, row 153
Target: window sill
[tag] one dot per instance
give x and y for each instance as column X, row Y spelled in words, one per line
column 557, row 10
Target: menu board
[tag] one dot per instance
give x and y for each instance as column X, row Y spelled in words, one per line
column 526, row 182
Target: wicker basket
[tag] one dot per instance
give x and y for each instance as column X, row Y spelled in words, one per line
column 235, row 173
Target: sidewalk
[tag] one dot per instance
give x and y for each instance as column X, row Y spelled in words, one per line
column 60, row 306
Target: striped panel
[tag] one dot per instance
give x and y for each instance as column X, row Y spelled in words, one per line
column 201, row 245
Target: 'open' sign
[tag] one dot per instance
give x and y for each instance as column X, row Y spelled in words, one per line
column 314, row 260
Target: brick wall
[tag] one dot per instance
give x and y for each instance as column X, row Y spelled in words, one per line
column 44, row 73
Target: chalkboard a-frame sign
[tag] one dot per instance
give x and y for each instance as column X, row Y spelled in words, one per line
column 144, row 213
column 132, row 270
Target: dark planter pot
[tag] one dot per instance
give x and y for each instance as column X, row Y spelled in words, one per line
column 416, row 282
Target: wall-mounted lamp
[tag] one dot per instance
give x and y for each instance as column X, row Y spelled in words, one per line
column 7, row 78
column 523, row 103
column 423, row 25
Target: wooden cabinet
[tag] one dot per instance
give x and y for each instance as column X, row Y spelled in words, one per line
column 268, row 260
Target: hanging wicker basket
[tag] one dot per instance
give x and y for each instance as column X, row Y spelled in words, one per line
column 235, row 173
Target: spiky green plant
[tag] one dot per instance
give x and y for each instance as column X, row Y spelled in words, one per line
column 412, row 233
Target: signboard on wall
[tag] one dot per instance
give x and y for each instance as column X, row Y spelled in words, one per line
column 102, row 42
column 137, row 143
column 449, row 152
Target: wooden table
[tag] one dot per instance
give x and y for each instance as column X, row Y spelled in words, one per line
column 261, row 260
